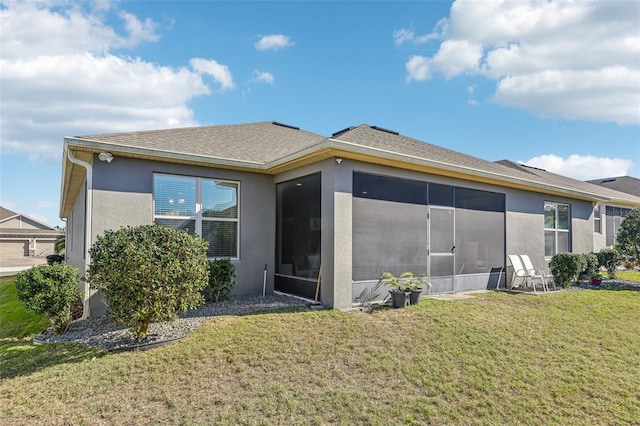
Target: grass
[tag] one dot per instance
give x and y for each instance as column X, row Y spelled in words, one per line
column 628, row 275
column 16, row 321
column 566, row 358
column 18, row 356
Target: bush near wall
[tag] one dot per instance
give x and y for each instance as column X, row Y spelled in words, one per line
column 221, row 275
column 566, row 268
column 148, row 274
column 591, row 266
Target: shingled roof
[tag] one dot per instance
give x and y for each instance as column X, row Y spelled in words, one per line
column 257, row 143
column 390, row 142
column 6, row 213
column 627, row 184
column 272, row 147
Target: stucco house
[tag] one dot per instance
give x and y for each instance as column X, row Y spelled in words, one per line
column 24, row 241
column 346, row 207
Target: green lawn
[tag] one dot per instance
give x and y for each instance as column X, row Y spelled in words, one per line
column 628, row 275
column 566, row 358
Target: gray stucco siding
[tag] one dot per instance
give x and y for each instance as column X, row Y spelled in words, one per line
column 335, row 251
column 123, row 195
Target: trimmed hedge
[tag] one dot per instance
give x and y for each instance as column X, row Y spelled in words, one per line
column 148, row 274
column 49, row 290
column 566, row 267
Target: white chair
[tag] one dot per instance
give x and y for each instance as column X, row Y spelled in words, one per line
column 518, row 271
column 546, row 277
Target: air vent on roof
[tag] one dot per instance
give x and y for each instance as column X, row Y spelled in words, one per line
column 608, row 180
column 285, row 125
column 382, row 129
column 339, row 132
column 531, row 167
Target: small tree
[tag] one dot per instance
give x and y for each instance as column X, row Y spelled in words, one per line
column 610, row 259
column 148, row 274
column 49, row 290
column 628, row 237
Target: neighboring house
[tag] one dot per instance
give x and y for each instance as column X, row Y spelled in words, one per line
column 345, row 208
column 23, row 238
column 615, row 215
column 627, row 184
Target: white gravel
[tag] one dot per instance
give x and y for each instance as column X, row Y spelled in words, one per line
column 104, row 333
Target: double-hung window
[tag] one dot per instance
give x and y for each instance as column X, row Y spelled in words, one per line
column 207, row 207
column 557, row 221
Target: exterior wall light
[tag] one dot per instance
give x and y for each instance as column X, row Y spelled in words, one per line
column 105, row 156
column 339, row 160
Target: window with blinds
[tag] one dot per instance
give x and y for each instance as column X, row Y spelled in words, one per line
column 206, row 207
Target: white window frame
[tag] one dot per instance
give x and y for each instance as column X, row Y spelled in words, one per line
column 198, row 218
column 597, row 218
column 557, row 230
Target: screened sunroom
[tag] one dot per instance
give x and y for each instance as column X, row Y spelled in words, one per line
column 453, row 235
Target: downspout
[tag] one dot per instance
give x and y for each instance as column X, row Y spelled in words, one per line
column 87, row 229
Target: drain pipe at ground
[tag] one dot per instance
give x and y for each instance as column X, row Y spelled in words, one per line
column 88, row 227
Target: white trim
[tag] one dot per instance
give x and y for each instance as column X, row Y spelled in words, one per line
column 88, row 226
column 280, row 293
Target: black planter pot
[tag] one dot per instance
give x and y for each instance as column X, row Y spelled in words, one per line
column 414, row 296
column 398, row 299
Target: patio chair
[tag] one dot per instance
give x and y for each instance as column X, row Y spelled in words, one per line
column 547, row 277
column 518, row 271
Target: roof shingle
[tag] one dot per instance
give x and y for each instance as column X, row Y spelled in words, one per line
column 253, row 142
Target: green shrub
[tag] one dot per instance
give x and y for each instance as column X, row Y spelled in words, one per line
column 148, row 274
column 610, row 259
column 628, row 238
column 54, row 258
column 49, row 290
column 565, row 268
column 591, row 266
column 221, row 275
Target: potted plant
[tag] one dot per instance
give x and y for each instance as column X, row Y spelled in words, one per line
column 596, row 279
column 416, row 283
column 398, row 288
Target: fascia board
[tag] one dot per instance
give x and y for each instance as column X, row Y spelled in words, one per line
column 505, row 180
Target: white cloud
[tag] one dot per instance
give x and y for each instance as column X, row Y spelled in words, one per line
column 572, row 60
column 219, row 72
column 454, row 57
column 582, row 167
column 404, row 35
column 139, row 31
column 273, row 42
column 418, row 68
column 61, row 77
column 263, row 77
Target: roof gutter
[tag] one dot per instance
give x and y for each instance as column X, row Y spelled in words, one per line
column 88, row 227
